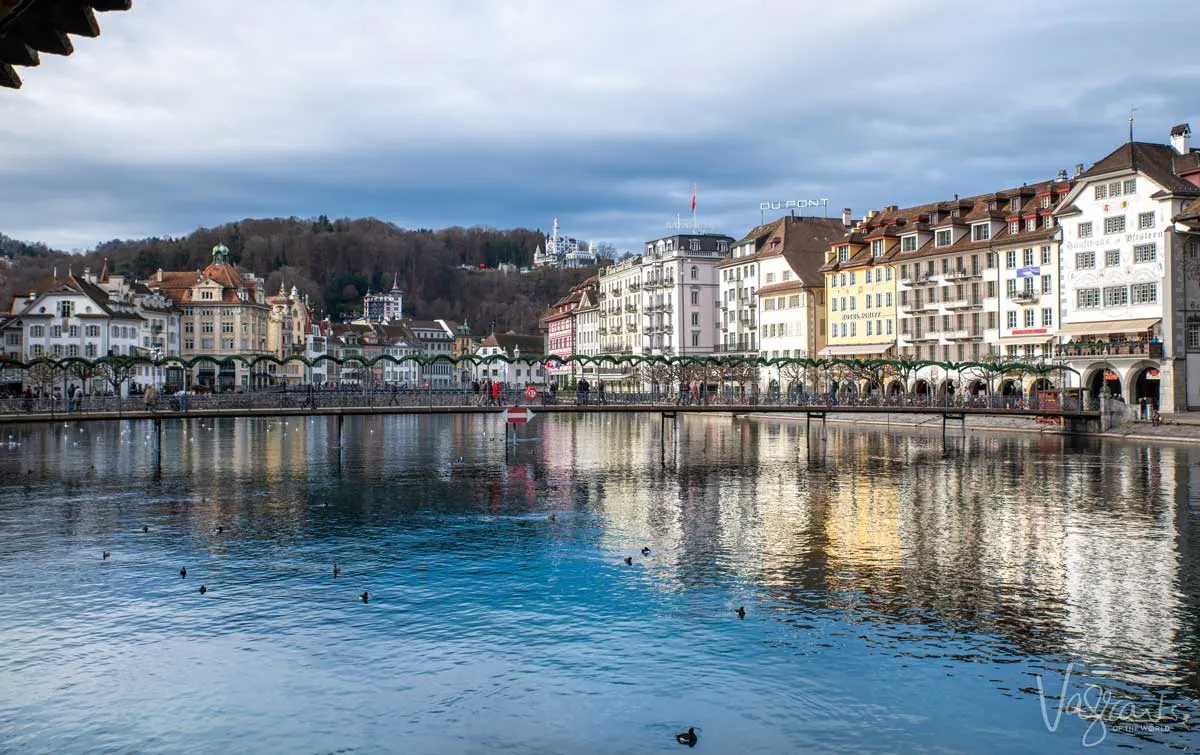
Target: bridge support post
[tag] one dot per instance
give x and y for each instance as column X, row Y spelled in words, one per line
column 158, row 445
column 662, row 434
column 341, row 418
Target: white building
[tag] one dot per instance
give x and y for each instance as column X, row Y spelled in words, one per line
column 76, row 318
column 619, row 290
column 434, row 340
column 587, row 332
column 679, row 306
column 517, row 374
column 384, row 307
column 790, row 297
column 1124, row 295
column 564, row 251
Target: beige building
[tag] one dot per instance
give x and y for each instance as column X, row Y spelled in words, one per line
column 224, row 313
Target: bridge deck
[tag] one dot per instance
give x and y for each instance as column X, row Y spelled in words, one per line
column 732, row 409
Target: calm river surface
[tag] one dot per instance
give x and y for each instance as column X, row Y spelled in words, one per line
column 900, row 596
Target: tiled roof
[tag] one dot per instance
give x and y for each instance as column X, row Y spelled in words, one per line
column 805, row 242
column 177, row 285
column 529, row 345
column 1155, row 160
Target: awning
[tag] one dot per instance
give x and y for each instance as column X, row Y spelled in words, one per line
column 1108, row 327
column 862, row 348
column 1026, row 341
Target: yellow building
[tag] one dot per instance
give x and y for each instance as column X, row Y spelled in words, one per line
column 860, row 291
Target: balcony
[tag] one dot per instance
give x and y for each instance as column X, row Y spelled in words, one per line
column 963, row 274
column 635, row 286
column 1024, row 297
column 631, row 328
column 602, row 330
column 963, row 304
column 929, row 335
column 631, row 308
column 919, row 306
column 1112, row 349
column 962, row 335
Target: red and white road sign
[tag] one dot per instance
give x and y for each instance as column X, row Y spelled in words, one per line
column 517, row 414
column 531, row 393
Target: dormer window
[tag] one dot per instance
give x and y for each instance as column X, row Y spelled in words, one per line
column 843, row 254
column 954, row 213
column 933, row 217
column 1045, row 203
column 981, row 232
column 943, row 238
column 206, row 294
column 1016, row 204
column 877, row 248
column 1014, row 226
column 1031, row 224
column 908, row 244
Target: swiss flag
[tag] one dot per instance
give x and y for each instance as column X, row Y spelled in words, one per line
column 693, row 197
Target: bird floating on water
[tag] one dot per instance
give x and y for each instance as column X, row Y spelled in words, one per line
column 220, row 530
column 145, row 528
column 203, row 589
column 741, row 612
column 688, row 737
column 336, row 570
column 645, row 551
column 107, row 554
column 183, row 572
column 629, row 560
column 365, row 597
column 552, row 517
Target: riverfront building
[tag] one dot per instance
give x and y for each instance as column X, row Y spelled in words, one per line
column 224, row 312
column 562, row 325
column 563, row 251
column 1126, row 288
column 860, row 289
column 791, row 296
column 385, row 307
column 679, row 274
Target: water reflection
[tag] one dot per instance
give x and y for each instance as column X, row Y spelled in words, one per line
column 981, row 553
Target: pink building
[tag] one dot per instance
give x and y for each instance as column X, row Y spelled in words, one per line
column 560, row 327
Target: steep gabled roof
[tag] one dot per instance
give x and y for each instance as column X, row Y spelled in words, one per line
column 1155, row 160
column 528, row 345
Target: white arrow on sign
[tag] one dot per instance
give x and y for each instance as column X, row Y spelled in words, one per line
column 517, row 414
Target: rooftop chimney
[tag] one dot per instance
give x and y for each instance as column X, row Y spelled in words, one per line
column 847, row 219
column 1062, row 175
column 1181, row 138
column 1078, row 169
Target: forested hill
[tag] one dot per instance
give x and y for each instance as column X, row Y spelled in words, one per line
column 336, row 262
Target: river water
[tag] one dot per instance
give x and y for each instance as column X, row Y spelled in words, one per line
column 901, row 594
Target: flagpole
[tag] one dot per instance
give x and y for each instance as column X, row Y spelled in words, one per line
column 694, row 226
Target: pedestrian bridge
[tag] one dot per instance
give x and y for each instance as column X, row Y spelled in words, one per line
column 1071, row 416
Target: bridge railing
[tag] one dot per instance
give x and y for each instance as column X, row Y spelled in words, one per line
column 413, row 398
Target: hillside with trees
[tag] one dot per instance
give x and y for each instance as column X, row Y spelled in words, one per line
column 335, row 262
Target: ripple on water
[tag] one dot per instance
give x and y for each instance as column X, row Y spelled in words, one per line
column 899, row 599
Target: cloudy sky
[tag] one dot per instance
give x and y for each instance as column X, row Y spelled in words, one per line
column 429, row 113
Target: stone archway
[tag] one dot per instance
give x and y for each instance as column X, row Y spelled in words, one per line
column 1009, row 387
column 1099, row 376
column 947, row 388
column 977, row 387
column 895, row 388
column 1143, row 381
column 921, row 387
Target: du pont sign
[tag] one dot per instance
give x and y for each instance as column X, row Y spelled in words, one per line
column 793, row 204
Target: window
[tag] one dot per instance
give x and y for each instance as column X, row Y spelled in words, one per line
column 206, row 343
column 1101, row 191
column 56, row 331
column 206, row 327
column 991, row 289
column 722, row 246
column 73, row 331
column 66, row 309
column 1112, row 257
column 1144, row 293
column 36, row 331
column 943, row 238
column 695, row 338
column 1012, row 320
column 1045, row 255
column 188, row 344
column 981, row 232
column 1014, row 226
column 851, row 277
column 908, row 244
column 694, row 245
column 845, row 330
column 695, row 297
column 1045, row 203
column 1085, row 230
column 206, row 294
column 1115, row 224
column 879, row 275
column 1193, row 336
column 1144, row 253
column 1131, row 186
column 787, row 275
column 89, row 351
column 833, row 304
column 877, row 248
column 770, row 277
column 1027, row 257
column 1047, row 284
column 888, row 274
column 853, row 329
column 1085, row 260
column 793, row 301
column 1145, row 221
column 1116, row 296
column 843, row 279
column 869, row 328
column 889, row 298
column 843, row 254
column 1010, row 259
column 1031, row 224
column 695, row 272
column 226, row 327
column 889, row 327
column 1114, row 189
column 188, row 327
column 852, row 303
column 1029, row 318
column 696, row 319
column 1087, row 298
column 1047, row 317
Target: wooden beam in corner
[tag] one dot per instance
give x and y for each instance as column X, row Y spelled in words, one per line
column 17, row 53
column 105, row 6
column 8, row 77
column 75, row 18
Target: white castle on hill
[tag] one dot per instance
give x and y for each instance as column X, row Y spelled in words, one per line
column 562, row 251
